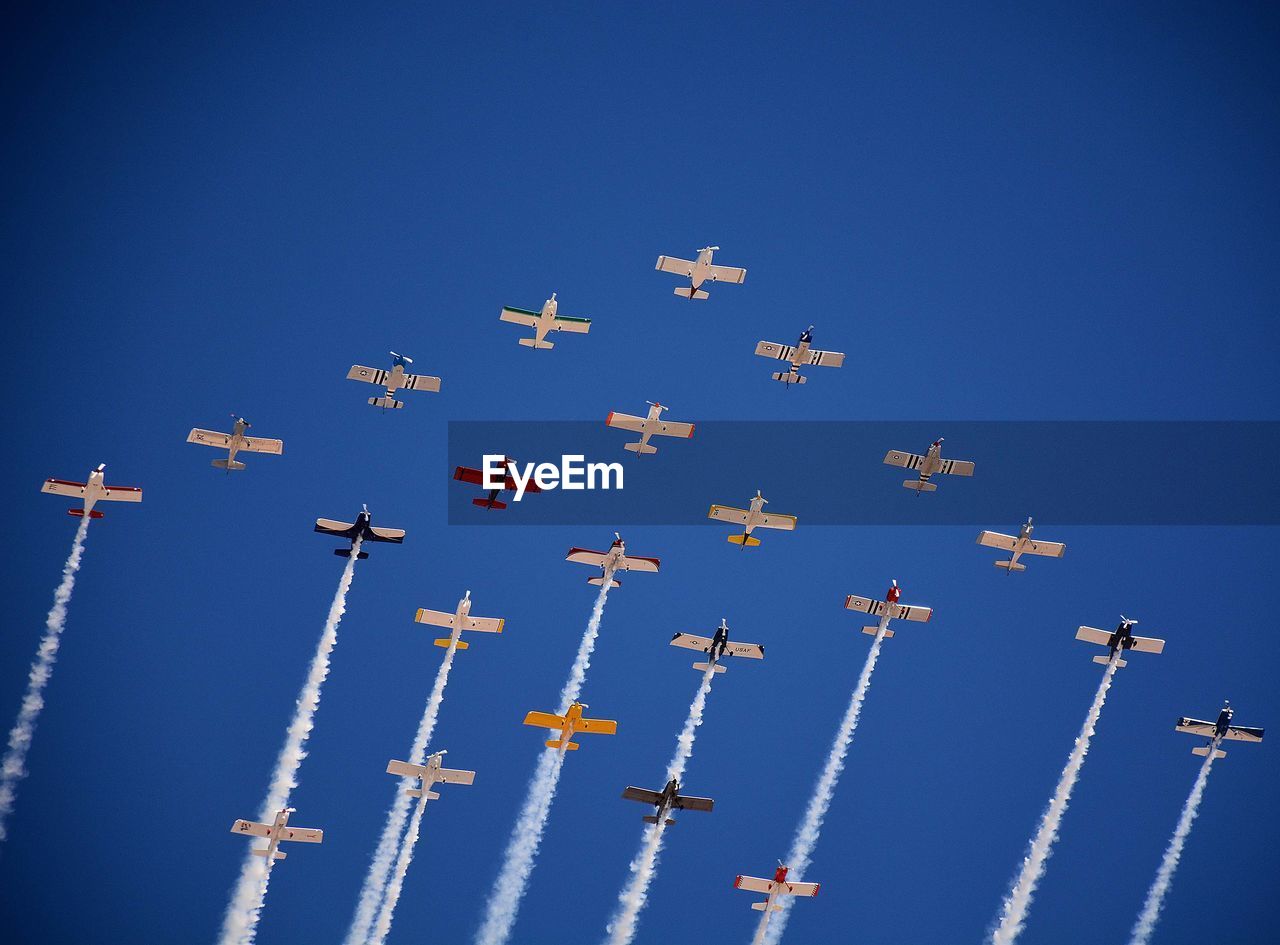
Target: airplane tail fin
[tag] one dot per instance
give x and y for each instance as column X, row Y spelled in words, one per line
column 1203, row 752
column 1010, row 565
column 1104, row 660
column 79, row 513
column 227, row 464
column 651, row 819
column 462, row 644
column 874, row 630
column 569, row 746
column 761, row 906
column 417, row 792
column 702, row 667
column 346, row 553
column 486, row 504
column 918, row 486
column 386, row 403
column 686, row 292
column 598, row 581
column 535, row 343
column 788, row 378
column 644, row 449
column 746, row 541
column 280, row 854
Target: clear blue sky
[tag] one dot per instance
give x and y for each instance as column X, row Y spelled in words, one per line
column 999, row 213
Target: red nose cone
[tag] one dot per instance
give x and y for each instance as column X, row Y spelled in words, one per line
column 894, row 593
column 781, row 875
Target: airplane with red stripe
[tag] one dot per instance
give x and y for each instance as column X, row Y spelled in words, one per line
column 92, row 492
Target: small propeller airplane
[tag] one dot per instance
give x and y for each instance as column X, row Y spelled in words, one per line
column 750, row 519
column 929, row 464
column 570, row 724
column 93, row 492
column 611, row 561
column 1020, row 545
column 476, row 478
column 275, row 833
column 1119, row 640
column 717, row 647
column 544, row 321
column 428, row 774
column 1217, row 731
column 234, row 442
column 773, row 888
column 887, row 609
column 647, row 427
column 394, row 380
column 699, row 271
column 458, row 621
column 667, row 800
column 361, row 530
column 800, row 355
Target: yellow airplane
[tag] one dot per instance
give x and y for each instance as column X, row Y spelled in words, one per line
column 569, row 724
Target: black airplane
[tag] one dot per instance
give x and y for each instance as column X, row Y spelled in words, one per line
column 666, row 801
column 1120, row 639
column 717, row 647
column 362, row 530
column 1217, row 731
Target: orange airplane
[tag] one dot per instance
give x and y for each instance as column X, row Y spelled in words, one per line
column 569, row 724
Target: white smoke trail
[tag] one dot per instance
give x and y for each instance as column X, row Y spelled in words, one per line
column 392, row 895
column 241, row 921
column 14, row 767
column 771, row 928
column 373, row 892
column 1146, row 923
column 1013, row 916
column 526, row 836
column 622, row 928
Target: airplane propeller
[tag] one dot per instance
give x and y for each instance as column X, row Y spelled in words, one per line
column 405, row 358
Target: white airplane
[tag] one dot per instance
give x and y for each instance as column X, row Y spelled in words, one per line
column 932, row 462
column 717, row 647
column 699, row 271
column 1217, row 731
column 611, row 561
column 1021, row 545
column 652, row 425
column 799, row 356
column 275, row 833
column 458, row 621
column 1119, row 640
column 543, row 322
column 887, row 609
column 93, row 492
column 750, row 519
column 428, row 774
column 235, row 442
column 773, row 888
column 394, row 380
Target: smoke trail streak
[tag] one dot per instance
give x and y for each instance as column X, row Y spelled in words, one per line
column 14, row 767
column 373, row 892
column 622, row 928
column 1146, row 923
column 241, row 921
column 1013, row 916
column 392, row 895
column 824, row 791
column 526, row 836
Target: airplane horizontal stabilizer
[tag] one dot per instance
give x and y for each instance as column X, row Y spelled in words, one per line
column 444, row 642
column 919, row 486
column 79, row 513
column 346, row 553
column 685, row 292
column 1009, row 565
column 227, row 464
column 761, row 906
column 1203, row 752
column 1104, row 660
column 745, row 540
column 651, row 819
column 788, row 378
column 569, row 746
column 280, row 854
column 534, row 343
column 386, row 403
column 642, row 448
column 597, row 581
column 486, row 504
column 874, row 630
column 702, row 667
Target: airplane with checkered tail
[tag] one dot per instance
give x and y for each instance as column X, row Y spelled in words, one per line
column 458, row 621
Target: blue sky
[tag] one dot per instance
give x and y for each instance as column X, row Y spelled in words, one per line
column 998, row 213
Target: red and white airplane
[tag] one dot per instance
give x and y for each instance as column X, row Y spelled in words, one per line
column 887, row 609
column 652, row 425
column 773, row 888
column 611, row 561
column 274, row 833
column 93, row 492
column 476, row 478
column 699, row 271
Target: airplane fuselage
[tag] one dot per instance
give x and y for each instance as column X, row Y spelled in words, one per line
column 571, row 719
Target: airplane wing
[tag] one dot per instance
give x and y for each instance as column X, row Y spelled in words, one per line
column 908, row 612
column 876, row 608
column 753, row 651
column 121, row 494
column 997, row 540
column 420, row 382
column 369, row 375
column 905, row 460
column 624, row 421
column 584, row 556
column 798, row 889
column 544, row 720
column 675, row 429
column 435, row 618
column 302, row 834
column 597, row 727
column 1148, row 645
column 467, row 474
column 1093, row 635
column 722, row 513
column 641, row 795
column 768, row 349
column 1195, row 727
column 1049, row 549
column 456, row 776
column 520, row 316
column 209, row 438
column 1241, row 733
column 691, row 642
column 728, row 274
column 568, row 323
column 329, row 527
column 956, row 467
column 826, row 358
column 483, row 624
column 259, row 444
column 393, row 535
column 405, row 770
column 672, row 264
column 754, row 884
column 773, row 520
column 683, row 802
column 632, row 563
column 250, row 828
column 63, row 487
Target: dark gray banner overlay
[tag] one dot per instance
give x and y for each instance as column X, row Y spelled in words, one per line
column 832, row 472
